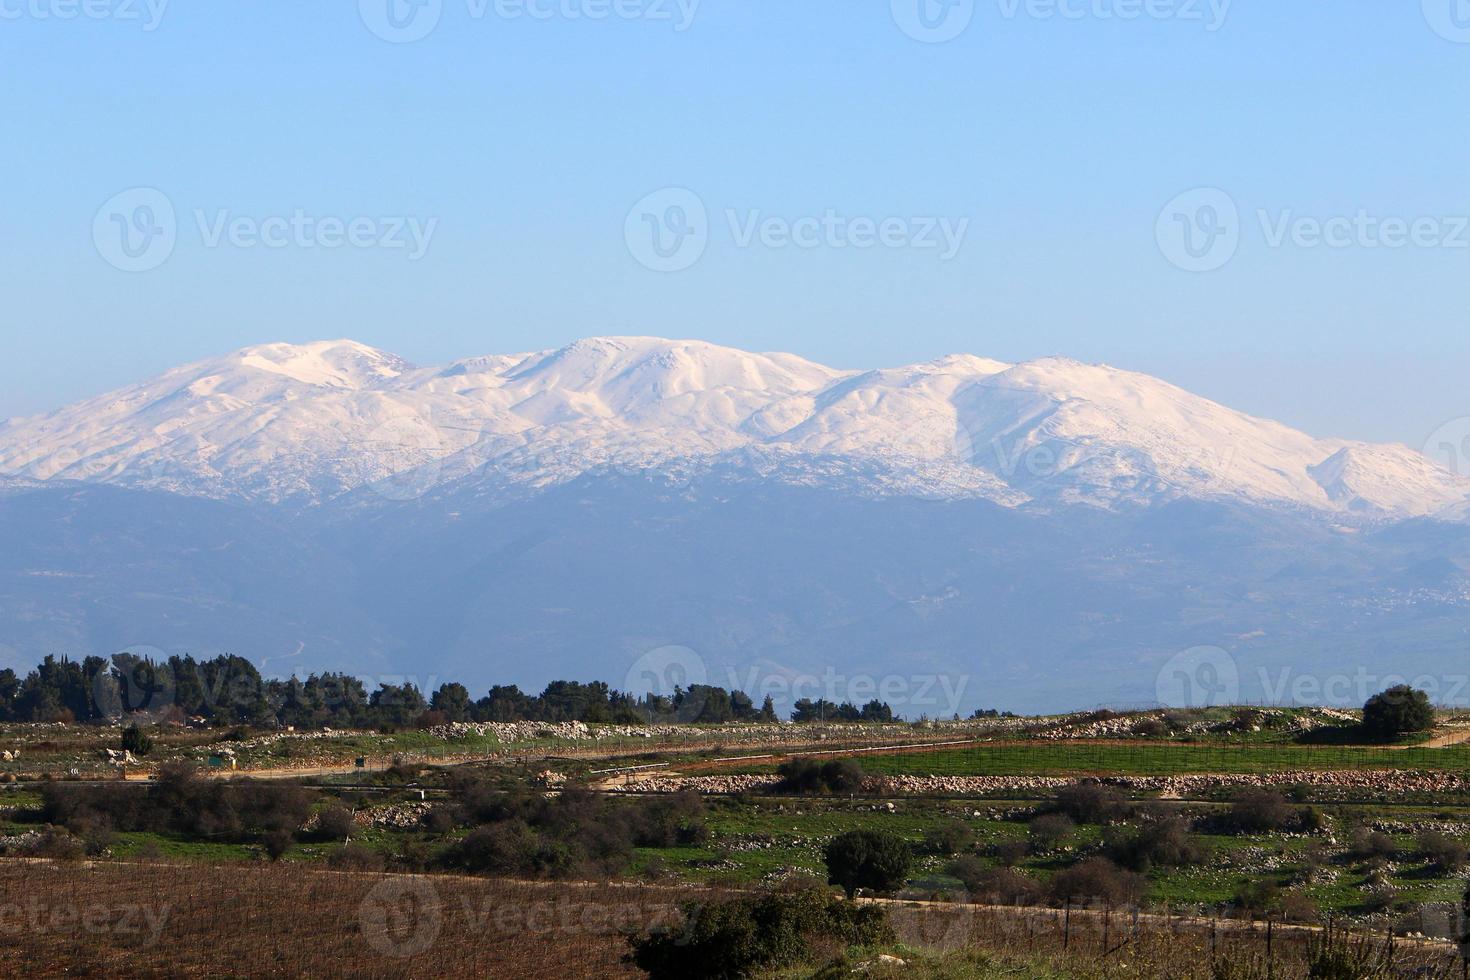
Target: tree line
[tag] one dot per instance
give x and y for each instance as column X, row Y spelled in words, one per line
column 230, row 690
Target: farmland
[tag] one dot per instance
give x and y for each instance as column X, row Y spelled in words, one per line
column 1370, row 836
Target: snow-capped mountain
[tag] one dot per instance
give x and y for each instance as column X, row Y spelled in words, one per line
column 314, row 422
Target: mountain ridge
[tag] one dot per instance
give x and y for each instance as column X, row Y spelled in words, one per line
column 314, row 423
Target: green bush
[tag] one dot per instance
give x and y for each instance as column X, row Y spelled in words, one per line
column 726, row 940
column 949, row 837
column 871, row 859
column 810, row 776
column 1400, row 710
column 1165, row 842
column 1259, row 811
column 134, row 741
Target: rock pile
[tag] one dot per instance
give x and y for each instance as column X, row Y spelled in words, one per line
column 1381, row 782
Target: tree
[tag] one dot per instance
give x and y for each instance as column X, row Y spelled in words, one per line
column 395, row 704
column 1400, row 710
column 134, row 741
column 872, row 859
column 768, row 710
column 452, row 699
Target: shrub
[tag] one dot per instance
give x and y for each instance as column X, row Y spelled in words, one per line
column 335, row 823
column 871, row 859
column 506, row 848
column 842, row 776
column 1009, row 852
column 1365, row 844
column 810, row 776
column 134, row 741
column 58, row 844
column 276, row 843
column 1400, row 710
column 1379, row 897
column 1259, row 811
column 1050, row 830
column 1165, row 842
column 1257, row 895
column 949, row 837
column 1296, row 907
column 997, row 886
column 1445, row 853
column 1097, row 879
column 737, row 938
column 1091, row 802
column 355, row 857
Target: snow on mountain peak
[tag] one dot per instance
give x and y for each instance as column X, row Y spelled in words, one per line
column 328, row 364
column 312, row 422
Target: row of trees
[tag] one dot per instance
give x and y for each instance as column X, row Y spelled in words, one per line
column 230, row 690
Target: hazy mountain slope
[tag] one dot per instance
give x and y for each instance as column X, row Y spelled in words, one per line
column 312, row 423
column 762, row 583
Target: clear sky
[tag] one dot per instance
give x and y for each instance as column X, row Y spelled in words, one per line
column 520, row 137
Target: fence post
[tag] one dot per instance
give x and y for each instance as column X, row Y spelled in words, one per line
column 1270, row 956
column 1067, row 926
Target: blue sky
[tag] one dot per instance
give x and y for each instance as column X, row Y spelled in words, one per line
column 1054, row 132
